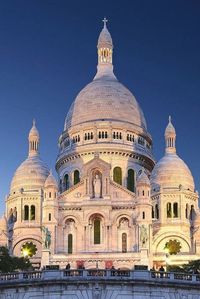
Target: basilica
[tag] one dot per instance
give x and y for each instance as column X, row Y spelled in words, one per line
column 111, row 204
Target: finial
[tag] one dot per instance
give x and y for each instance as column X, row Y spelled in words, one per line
column 34, row 122
column 104, row 22
column 170, row 119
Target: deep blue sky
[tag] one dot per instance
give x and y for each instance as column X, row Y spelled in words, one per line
column 48, row 53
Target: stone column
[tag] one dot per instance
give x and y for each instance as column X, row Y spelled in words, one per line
column 45, row 257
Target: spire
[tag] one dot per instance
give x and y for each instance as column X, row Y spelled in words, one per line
column 104, row 22
column 105, row 51
column 34, row 139
column 170, row 137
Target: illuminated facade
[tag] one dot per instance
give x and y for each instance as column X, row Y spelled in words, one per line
column 112, row 205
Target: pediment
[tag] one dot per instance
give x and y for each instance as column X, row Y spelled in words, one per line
column 75, row 193
column 120, row 193
column 96, row 163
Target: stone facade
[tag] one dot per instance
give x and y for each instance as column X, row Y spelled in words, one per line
column 111, row 206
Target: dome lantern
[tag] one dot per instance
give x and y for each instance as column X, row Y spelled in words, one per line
column 170, row 137
column 34, row 139
column 105, row 52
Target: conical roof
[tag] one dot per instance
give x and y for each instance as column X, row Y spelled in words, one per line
column 50, row 181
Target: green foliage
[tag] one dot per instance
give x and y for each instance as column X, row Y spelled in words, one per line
column 12, row 263
column 173, row 246
column 191, row 267
column 174, row 268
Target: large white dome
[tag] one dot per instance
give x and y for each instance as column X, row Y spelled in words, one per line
column 32, row 173
column 105, row 99
column 171, row 172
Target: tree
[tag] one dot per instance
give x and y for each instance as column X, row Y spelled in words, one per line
column 191, row 267
column 11, row 263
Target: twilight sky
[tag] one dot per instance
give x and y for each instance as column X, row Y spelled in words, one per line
column 48, row 53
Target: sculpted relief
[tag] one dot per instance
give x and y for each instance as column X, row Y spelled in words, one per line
column 97, row 184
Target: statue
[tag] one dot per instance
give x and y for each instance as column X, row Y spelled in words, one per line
column 97, row 186
column 46, row 238
column 143, row 236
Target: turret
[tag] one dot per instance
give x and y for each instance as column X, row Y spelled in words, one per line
column 170, row 138
column 105, row 52
column 143, row 198
column 34, row 139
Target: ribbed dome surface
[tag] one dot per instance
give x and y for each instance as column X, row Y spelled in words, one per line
column 143, row 179
column 105, row 99
column 50, row 181
column 171, row 172
column 32, row 173
column 105, row 38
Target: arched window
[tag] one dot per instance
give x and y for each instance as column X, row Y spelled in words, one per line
column 70, row 243
column 26, row 212
column 152, row 213
column 131, row 180
column 169, row 210
column 11, row 218
column 143, row 215
column 49, row 194
column 15, row 214
column 60, row 187
column 143, row 192
column 117, row 175
column 192, row 212
column 76, row 177
column 157, row 211
column 175, row 210
column 66, row 182
column 49, row 216
column 187, row 211
column 97, row 231
column 124, row 242
column 32, row 216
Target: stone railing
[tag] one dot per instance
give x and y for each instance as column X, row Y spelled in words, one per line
column 96, row 274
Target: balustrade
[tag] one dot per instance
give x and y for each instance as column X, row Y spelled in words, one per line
column 99, row 273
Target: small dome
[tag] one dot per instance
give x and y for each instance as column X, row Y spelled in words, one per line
column 171, row 172
column 50, row 181
column 32, row 173
column 143, row 179
column 33, row 131
column 170, row 130
column 105, row 39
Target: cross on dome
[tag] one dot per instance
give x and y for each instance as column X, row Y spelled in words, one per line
column 104, row 22
column 170, row 119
